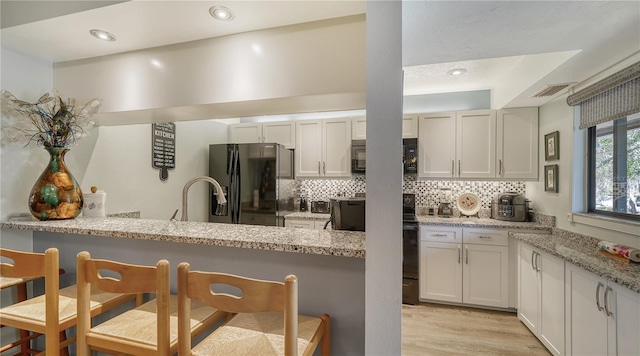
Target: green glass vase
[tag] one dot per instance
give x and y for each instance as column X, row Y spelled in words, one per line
column 56, row 195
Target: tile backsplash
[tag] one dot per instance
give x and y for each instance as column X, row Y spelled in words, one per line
column 427, row 191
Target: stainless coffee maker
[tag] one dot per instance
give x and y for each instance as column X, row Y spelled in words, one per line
column 347, row 214
column 445, row 209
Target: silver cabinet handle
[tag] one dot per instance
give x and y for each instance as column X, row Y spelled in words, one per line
column 439, row 235
column 459, row 170
column 324, row 167
column 466, row 258
column 533, row 266
column 606, row 301
column 453, row 168
column 485, row 237
column 319, row 172
column 459, row 254
column 600, row 285
column 537, row 260
column 500, row 167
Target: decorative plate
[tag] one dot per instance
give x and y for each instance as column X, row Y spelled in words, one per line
column 468, row 204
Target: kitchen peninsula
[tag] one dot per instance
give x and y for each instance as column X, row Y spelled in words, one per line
column 330, row 265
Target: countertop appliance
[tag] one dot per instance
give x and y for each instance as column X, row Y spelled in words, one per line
column 409, row 156
column 320, row 206
column 410, row 284
column 445, row 209
column 358, row 156
column 510, row 206
column 348, row 214
column 252, row 176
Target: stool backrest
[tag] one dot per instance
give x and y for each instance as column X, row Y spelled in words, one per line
column 128, row 278
column 31, row 264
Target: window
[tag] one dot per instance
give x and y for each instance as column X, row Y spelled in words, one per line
column 614, row 168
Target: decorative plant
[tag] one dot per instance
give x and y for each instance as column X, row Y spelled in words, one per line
column 51, row 121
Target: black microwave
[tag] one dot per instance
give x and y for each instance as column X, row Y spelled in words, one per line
column 409, row 156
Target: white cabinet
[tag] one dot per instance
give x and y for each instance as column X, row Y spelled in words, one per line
column 517, row 143
column 602, row 318
column 267, row 132
column 409, row 127
column 306, row 224
column 359, row 128
column 541, row 296
column 464, row 266
column 479, row 144
column 436, row 145
column 323, row 148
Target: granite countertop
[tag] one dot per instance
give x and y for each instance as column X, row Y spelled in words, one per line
column 307, row 216
column 482, row 222
column 581, row 251
column 271, row 238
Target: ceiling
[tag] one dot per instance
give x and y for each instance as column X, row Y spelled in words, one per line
column 513, row 48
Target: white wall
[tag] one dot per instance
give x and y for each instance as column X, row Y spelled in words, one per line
column 121, row 166
column 557, row 115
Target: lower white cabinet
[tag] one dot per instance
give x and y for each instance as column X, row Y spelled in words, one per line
column 541, row 296
column 602, row 318
column 464, row 266
column 306, row 224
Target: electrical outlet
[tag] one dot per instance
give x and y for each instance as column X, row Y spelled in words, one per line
column 570, row 217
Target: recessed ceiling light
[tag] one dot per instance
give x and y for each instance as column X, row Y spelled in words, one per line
column 457, row 71
column 103, row 35
column 221, row 13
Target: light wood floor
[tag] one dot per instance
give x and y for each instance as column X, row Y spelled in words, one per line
column 433, row 329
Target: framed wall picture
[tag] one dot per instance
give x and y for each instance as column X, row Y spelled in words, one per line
column 552, row 146
column 551, row 178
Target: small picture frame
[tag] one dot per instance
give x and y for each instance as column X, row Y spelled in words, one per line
column 552, row 146
column 551, row 178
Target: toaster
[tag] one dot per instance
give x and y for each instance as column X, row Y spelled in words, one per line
column 510, row 206
column 320, row 206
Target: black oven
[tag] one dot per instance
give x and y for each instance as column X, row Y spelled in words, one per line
column 358, row 157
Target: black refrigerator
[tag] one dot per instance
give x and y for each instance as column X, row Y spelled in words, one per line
column 257, row 179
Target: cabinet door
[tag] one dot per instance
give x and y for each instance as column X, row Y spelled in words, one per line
column 436, row 141
column 528, row 303
column 337, row 148
column 359, row 128
column 517, row 143
column 283, row 133
column 441, row 271
column 586, row 325
column 476, row 144
column 624, row 324
column 485, row 275
column 551, row 294
column 410, row 126
column 308, row 152
column 299, row 224
column 245, row 133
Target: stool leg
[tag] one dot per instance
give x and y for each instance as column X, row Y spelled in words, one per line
column 63, row 338
column 21, row 289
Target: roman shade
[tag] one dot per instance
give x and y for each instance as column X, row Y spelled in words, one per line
column 611, row 98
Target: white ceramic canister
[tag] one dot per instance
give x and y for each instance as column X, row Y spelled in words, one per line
column 94, row 204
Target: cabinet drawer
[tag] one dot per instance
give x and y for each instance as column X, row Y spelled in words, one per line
column 299, row 224
column 444, row 234
column 486, row 237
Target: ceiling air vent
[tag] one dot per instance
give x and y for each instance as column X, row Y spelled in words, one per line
column 550, row 90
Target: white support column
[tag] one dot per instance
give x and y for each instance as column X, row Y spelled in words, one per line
column 384, row 178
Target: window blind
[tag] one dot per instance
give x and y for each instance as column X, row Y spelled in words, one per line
column 611, row 98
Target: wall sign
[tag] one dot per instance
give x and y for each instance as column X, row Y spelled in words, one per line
column 163, row 147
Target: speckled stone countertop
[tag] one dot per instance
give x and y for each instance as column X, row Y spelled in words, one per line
column 319, row 242
column 581, row 251
column 482, row 222
column 307, row 216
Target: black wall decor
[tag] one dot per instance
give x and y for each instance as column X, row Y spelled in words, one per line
column 163, row 147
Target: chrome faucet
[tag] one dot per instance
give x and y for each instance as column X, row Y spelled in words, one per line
column 221, row 199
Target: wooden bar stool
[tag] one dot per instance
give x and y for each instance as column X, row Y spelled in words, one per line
column 55, row 311
column 267, row 322
column 150, row 329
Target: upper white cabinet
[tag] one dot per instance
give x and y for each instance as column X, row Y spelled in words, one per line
column 267, row 132
column 479, row 144
column 517, row 143
column 436, row 145
column 409, row 127
column 541, row 292
column 323, row 148
column 602, row 318
column 464, row 266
